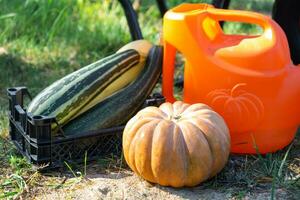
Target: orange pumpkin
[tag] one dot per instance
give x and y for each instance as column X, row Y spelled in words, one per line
column 241, row 110
column 176, row 144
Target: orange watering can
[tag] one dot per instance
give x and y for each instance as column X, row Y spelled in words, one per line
column 249, row 80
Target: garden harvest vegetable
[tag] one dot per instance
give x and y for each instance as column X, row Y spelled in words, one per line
column 81, row 90
column 176, row 144
column 120, row 107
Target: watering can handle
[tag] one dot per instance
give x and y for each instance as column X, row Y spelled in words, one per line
column 217, row 15
column 242, row 16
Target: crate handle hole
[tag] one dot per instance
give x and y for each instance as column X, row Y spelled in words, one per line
column 37, row 117
column 12, row 89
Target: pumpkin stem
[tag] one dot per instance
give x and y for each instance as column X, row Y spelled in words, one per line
column 177, row 117
column 236, row 87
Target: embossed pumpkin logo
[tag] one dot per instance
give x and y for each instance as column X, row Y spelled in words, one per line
column 242, row 111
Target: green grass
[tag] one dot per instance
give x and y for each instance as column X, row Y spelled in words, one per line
column 41, row 41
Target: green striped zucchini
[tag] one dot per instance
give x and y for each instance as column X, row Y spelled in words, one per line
column 75, row 93
column 121, row 106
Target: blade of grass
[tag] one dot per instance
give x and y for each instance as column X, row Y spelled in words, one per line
column 55, row 25
column 284, row 160
column 85, row 163
column 70, row 168
column 273, row 187
column 9, row 15
column 8, row 195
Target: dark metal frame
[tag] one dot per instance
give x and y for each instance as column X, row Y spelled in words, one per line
column 221, row 3
column 134, row 27
column 132, row 20
column 162, row 7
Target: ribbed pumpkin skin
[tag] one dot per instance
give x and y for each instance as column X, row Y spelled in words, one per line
column 176, row 144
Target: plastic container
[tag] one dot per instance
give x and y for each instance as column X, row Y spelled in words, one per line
column 33, row 139
column 249, row 80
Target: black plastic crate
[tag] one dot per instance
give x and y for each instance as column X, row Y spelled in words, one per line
column 33, row 139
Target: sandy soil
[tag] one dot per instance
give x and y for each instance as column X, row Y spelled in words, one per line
column 126, row 185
